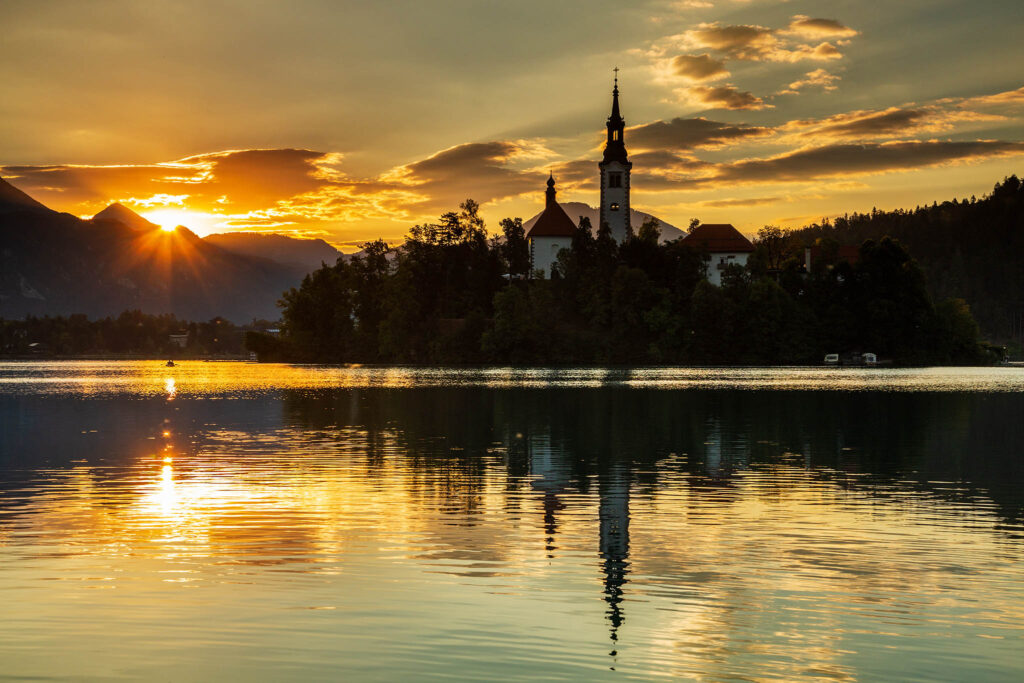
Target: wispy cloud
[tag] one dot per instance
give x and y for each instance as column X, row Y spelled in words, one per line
column 817, row 78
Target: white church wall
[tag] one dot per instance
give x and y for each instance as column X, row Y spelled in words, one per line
column 544, row 252
column 718, row 263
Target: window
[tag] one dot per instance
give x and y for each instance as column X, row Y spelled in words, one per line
column 615, row 135
column 614, row 180
column 614, row 206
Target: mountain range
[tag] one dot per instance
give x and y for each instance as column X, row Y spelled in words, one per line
column 54, row 263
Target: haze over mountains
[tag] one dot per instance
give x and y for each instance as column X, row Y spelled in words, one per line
column 57, row 264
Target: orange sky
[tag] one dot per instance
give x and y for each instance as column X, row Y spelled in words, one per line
column 352, row 122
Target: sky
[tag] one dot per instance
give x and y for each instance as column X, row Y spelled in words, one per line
column 357, row 120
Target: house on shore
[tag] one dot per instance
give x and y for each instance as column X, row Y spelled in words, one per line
column 724, row 244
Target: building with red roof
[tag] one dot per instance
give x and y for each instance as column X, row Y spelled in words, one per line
column 724, row 244
column 551, row 233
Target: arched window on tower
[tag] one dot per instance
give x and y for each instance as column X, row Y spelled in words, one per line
column 615, row 135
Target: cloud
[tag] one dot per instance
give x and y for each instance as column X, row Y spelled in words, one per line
column 681, row 134
column 841, row 160
column 819, row 28
column 891, row 122
column 723, row 97
column 758, row 43
column 726, row 203
column 666, row 172
column 484, row 171
column 698, row 67
column 1010, row 97
column 818, row 77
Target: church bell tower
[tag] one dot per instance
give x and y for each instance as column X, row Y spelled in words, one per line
column 615, row 173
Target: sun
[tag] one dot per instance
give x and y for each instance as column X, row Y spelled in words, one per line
column 169, row 219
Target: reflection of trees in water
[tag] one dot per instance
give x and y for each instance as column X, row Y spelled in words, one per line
column 881, row 437
column 454, row 442
column 623, row 440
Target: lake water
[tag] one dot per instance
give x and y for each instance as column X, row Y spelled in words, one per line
column 234, row 521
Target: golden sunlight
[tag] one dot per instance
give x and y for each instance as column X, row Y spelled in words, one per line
column 168, row 219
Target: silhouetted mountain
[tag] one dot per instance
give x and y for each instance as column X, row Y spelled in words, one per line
column 308, row 254
column 636, row 218
column 55, row 263
column 13, row 199
column 119, row 213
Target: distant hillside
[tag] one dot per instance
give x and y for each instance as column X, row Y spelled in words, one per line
column 971, row 249
column 636, row 218
column 55, row 263
column 307, row 254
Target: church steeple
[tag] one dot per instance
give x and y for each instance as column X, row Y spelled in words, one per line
column 615, row 147
column 615, row 168
column 549, row 194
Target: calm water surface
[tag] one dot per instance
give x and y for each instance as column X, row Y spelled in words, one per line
column 236, row 521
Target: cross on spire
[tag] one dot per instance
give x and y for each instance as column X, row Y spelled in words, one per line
column 616, row 70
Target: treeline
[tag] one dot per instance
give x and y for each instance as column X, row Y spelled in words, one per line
column 969, row 248
column 132, row 332
column 450, row 294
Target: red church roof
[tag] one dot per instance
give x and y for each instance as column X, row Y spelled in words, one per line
column 554, row 222
column 718, row 238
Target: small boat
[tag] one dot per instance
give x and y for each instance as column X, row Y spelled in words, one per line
column 170, row 363
column 832, row 359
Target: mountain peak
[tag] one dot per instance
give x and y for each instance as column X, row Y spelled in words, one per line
column 119, row 213
column 13, row 199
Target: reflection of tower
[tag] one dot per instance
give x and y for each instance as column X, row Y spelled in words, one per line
column 613, row 512
column 551, row 475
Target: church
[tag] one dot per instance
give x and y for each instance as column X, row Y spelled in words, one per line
column 553, row 230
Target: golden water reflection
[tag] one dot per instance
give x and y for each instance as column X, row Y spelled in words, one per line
column 567, row 533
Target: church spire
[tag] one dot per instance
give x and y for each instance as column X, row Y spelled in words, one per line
column 615, row 147
column 550, row 193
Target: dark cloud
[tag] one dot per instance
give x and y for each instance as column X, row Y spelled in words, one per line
column 698, row 67
column 680, row 134
column 887, row 123
column 736, row 40
column 849, row 160
column 725, row 97
column 892, row 121
column 477, row 170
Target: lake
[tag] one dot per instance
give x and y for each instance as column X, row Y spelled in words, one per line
column 239, row 521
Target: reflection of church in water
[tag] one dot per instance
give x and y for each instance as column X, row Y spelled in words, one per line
column 548, row 466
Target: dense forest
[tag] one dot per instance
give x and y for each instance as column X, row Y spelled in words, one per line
column 132, row 332
column 970, row 248
column 451, row 294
